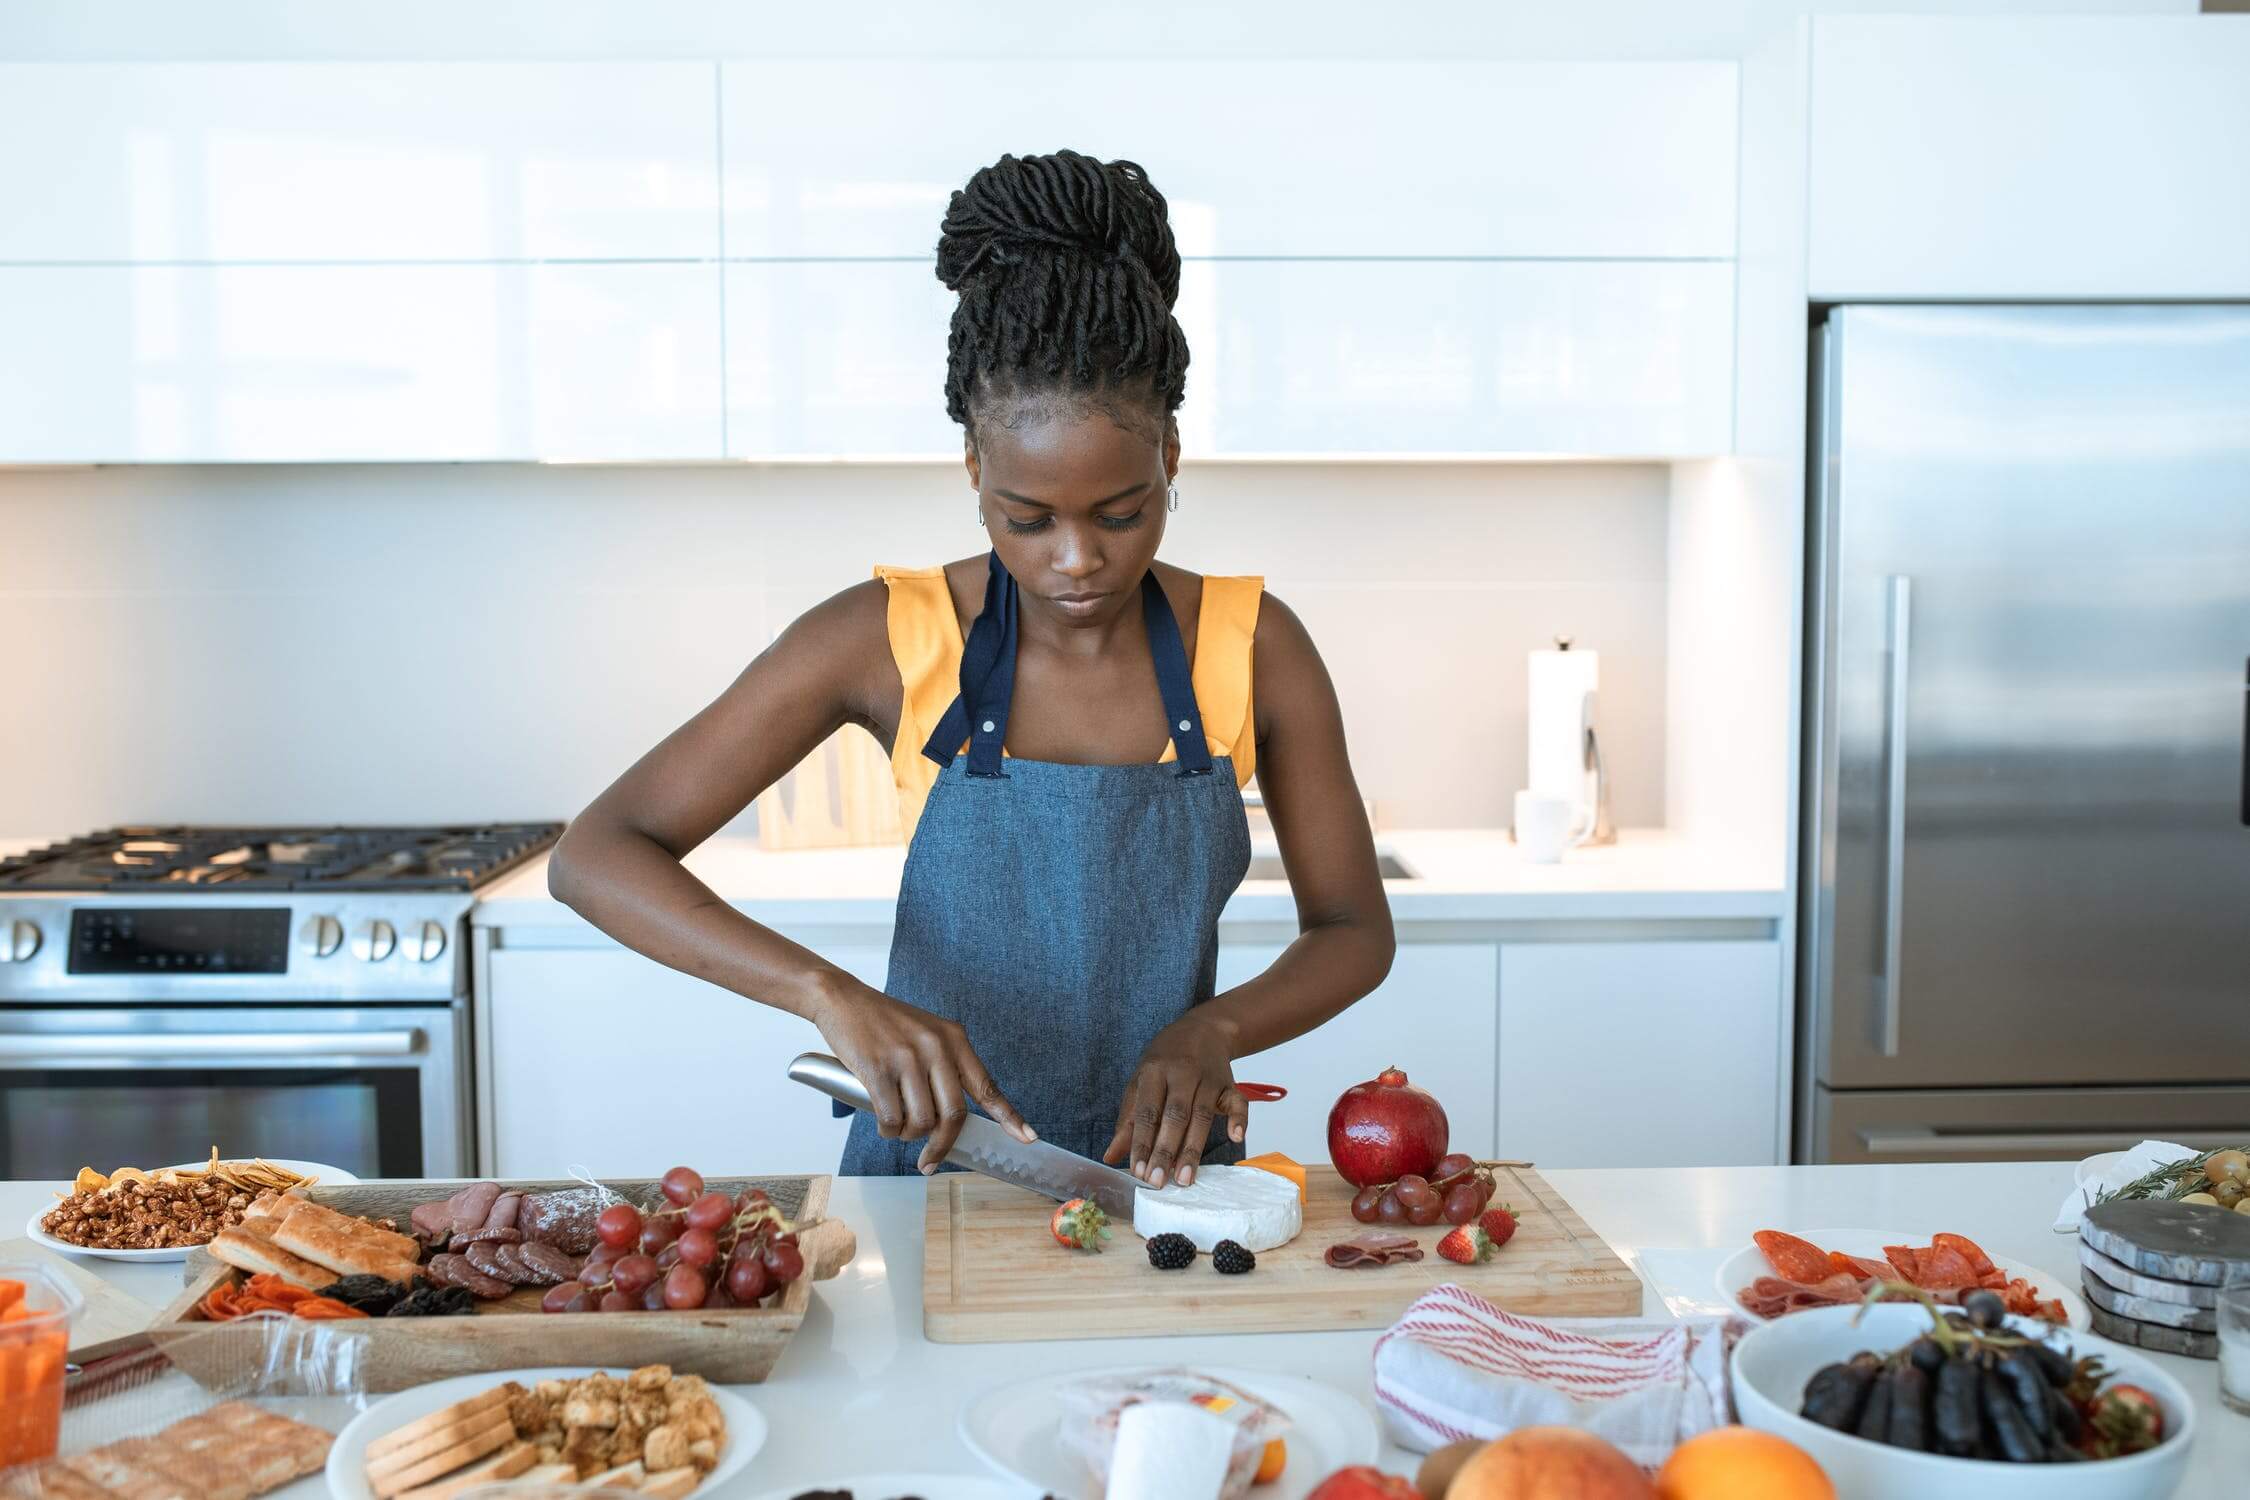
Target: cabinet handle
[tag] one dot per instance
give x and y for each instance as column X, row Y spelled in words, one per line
column 213, row 1044
column 1889, row 998
column 1928, row 1143
column 2246, row 743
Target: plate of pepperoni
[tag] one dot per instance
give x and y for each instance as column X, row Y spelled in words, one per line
column 1784, row 1271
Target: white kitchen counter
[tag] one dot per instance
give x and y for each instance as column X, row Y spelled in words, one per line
column 859, row 1388
column 1466, row 875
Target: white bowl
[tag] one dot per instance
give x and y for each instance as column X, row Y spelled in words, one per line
column 1774, row 1360
column 1749, row 1263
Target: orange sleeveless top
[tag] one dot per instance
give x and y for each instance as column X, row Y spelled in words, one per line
column 926, row 643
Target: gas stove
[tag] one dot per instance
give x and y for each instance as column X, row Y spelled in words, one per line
column 296, row 992
column 183, row 914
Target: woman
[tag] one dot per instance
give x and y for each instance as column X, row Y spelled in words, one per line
column 1070, row 723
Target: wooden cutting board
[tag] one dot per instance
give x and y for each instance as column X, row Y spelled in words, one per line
column 991, row 1272
column 112, row 1320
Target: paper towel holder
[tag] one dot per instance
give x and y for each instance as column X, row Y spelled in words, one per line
column 1593, row 767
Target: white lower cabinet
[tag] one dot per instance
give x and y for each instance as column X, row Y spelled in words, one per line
column 1663, row 1054
column 1433, row 1018
column 606, row 1061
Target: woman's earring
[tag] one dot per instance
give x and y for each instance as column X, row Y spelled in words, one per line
column 1172, row 497
column 980, row 518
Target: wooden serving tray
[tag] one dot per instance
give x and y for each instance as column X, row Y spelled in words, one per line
column 733, row 1345
column 992, row 1272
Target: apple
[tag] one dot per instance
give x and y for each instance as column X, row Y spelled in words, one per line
column 1363, row 1482
column 1381, row 1130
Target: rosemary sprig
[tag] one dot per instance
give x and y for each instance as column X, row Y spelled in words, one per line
column 2175, row 1179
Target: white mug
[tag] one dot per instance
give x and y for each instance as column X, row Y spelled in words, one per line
column 1546, row 825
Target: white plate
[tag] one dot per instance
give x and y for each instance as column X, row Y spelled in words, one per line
column 1773, row 1361
column 1016, row 1430
column 1749, row 1263
column 329, row 1177
column 892, row 1486
column 347, row 1461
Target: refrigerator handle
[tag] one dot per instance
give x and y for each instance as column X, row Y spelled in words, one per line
column 2246, row 743
column 1889, row 999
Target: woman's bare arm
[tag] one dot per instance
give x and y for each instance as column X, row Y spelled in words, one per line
column 618, row 865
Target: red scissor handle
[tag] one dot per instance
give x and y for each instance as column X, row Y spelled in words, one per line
column 1261, row 1093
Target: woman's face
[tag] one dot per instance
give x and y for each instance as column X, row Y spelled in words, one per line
column 1074, row 504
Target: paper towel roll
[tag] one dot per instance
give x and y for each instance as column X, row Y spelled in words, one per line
column 1563, row 684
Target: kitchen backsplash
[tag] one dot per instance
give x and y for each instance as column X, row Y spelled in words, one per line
column 381, row 643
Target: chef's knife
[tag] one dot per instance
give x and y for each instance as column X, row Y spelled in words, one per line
column 987, row 1147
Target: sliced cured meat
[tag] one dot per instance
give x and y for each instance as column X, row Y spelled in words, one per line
column 443, row 1269
column 1857, row 1265
column 433, row 1222
column 554, row 1266
column 1793, row 1259
column 1987, row 1273
column 1771, row 1296
column 486, row 1236
column 1375, row 1248
column 563, row 1219
column 485, row 1283
column 512, row 1268
column 472, row 1205
column 503, row 1215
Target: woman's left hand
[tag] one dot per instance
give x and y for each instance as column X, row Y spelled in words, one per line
column 1184, row 1082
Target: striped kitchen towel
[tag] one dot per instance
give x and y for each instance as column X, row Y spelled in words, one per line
column 1454, row 1367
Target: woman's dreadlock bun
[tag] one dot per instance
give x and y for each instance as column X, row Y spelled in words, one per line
column 1067, row 273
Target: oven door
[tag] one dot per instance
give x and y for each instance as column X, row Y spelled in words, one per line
column 376, row 1091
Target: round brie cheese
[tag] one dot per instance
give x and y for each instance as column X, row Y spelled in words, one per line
column 1257, row 1210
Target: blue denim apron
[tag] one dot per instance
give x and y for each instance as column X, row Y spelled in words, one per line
column 1063, row 914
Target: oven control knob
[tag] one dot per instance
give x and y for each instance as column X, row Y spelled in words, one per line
column 374, row 941
column 22, row 943
column 428, row 945
column 320, row 936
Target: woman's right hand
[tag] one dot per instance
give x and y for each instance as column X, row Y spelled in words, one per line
column 915, row 1066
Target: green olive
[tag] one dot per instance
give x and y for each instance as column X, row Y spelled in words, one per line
column 2228, row 1193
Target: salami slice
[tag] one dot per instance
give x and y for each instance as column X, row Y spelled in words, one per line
column 554, row 1266
column 563, row 1219
column 483, row 1275
column 1375, row 1248
column 433, row 1222
column 444, row 1269
column 512, row 1268
column 484, row 1236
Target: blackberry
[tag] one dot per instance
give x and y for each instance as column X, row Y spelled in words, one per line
column 1230, row 1259
column 1171, row 1252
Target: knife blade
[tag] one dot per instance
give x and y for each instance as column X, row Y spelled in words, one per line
column 985, row 1146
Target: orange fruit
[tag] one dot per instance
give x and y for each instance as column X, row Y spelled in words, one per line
column 1549, row 1463
column 1736, row 1463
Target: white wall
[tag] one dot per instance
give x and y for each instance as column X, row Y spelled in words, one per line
column 461, row 642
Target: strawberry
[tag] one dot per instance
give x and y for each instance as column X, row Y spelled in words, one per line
column 1498, row 1224
column 1079, row 1225
column 1466, row 1245
column 2122, row 1419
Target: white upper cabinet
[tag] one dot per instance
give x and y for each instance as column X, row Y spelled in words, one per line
column 859, row 157
column 313, row 363
column 358, row 161
column 2031, row 156
column 1625, row 359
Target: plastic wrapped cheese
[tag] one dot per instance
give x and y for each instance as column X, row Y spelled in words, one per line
column 1257, row 1210
column 1168, row 1450
column 1094, row 1429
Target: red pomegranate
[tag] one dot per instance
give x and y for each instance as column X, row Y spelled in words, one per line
column 1383, row 1129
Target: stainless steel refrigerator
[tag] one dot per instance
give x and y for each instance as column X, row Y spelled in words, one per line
column 2026, row 876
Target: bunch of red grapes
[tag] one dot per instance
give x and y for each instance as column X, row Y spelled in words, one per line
column 696, row 1249
column 1456, row 1191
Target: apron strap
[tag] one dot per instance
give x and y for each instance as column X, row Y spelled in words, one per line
column 979, row 714
column 1175, row 680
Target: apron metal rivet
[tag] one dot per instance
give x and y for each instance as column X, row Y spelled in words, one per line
column 1183, row 726
column 988, row 726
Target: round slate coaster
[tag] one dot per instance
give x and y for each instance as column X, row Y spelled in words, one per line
column 2151, row 1336
column 2191, row 1242
column 2146, row 1309
column 2126, row 1279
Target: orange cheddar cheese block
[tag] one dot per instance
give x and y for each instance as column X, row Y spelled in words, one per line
column 1280, row 1166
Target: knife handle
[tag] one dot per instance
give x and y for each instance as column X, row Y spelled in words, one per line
column 820, row 1071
